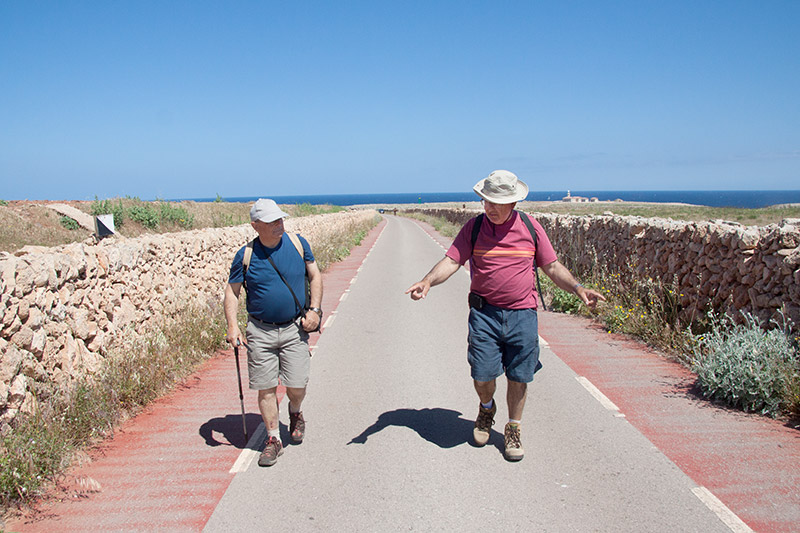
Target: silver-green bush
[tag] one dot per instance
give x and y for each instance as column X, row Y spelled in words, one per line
column 748, row 367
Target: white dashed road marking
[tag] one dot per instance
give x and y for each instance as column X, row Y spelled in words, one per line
column 599, row 396
column 721, row 510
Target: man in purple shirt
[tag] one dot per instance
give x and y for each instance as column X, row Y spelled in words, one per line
column 503, row 324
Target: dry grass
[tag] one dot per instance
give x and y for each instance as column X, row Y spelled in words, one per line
column 24, row 223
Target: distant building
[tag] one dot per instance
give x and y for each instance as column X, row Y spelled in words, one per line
column 575, row 199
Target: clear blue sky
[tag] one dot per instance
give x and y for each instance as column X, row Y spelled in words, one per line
column 193, row 99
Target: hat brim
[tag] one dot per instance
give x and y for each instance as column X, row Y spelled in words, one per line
column 521, row 192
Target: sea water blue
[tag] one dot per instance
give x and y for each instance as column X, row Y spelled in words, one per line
column 748, row 199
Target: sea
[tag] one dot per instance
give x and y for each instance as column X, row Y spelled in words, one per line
column 746, row 199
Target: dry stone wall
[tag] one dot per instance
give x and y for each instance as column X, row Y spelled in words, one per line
column 717, row 265
column 63, row 309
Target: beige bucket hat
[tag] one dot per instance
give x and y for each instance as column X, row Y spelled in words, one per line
column 501, row 187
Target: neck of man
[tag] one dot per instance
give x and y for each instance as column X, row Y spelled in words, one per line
column 270, row 241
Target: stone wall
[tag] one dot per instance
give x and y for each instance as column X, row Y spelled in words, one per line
column 714, row 264
column 63, row 309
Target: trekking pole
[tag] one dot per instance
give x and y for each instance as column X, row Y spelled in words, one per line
column 241, row 395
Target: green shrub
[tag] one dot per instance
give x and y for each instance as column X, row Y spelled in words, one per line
column 747, row 367
column 175, row 215
column 560, row 300
column 3, row 203
column 306, row 209
column 145, row 215
column 69, row 223
column 106, row 207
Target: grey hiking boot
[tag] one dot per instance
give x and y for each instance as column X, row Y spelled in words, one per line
column 514, row 451
column 272, row 450
column 297, row 426
column 483, row 424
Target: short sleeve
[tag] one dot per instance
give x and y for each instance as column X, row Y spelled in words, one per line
column 308, row 255
column 236, row 274
column 461, row 249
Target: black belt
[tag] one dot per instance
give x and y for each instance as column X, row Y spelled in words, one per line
column 265, row 323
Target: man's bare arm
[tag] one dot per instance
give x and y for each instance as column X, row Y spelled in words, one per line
column 231, row 306
column 311, row 319
column 440, row 272
column 566, row 281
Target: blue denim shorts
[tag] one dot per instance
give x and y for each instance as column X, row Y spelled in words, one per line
column 503, row 341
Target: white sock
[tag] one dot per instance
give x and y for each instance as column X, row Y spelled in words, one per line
column 512, row 421
column 274, row 433
column 488, row 405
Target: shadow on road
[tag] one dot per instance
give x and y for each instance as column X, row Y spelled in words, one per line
column 442, row 427
column 230, row 426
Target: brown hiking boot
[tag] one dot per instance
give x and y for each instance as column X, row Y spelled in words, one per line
column 297, row 426
column 272, row 450
column 483, row 424
column 514, row 451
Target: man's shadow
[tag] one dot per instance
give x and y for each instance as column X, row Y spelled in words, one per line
column 230, row 426
column 442, row 427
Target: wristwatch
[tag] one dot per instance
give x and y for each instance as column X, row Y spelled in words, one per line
column 316, row 310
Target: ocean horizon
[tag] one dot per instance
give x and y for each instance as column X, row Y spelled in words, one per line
column 742, row 199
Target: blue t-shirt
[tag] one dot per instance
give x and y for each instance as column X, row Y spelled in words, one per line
column 268, row 298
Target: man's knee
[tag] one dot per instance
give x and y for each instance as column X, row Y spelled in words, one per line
column 265, row 394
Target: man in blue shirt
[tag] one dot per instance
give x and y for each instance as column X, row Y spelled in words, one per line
column 273, row 273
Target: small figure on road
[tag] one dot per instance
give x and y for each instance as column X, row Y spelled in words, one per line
column 503, row 323
column 275, row 272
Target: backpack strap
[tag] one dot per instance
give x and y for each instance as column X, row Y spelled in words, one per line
column 248, row 253
column 296, row 241
column 476, row 229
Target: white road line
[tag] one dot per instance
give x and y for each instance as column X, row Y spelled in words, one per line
column 329, row 321
column 250, row 451
column 543, row 342
column 727, row 516
column 343, row 297
column 599, row 396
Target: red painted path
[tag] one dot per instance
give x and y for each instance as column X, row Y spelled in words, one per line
column 167, row 468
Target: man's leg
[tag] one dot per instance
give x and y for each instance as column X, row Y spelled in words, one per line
column 483, row 424
column 485, row 390
column 297, row 424
column 515, row 396
column 268, row 405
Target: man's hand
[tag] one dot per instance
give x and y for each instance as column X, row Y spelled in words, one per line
column 419, row 290
column 311, row 321
column 234, row 337
column 589, row 296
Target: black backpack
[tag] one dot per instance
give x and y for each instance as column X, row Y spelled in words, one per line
column 477, row 228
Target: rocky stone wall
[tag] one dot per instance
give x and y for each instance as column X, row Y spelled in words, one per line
column 717, row 265
column 63, row 309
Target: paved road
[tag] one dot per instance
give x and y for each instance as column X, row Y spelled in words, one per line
column 390, row 412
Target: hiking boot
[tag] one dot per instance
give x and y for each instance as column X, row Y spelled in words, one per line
column 297, row 426
column 514, row 451
column 272, row 450
column 483, row 424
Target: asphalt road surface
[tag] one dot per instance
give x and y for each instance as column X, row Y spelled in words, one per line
column 390, row 410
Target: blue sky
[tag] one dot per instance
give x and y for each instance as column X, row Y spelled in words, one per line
column 175, row 99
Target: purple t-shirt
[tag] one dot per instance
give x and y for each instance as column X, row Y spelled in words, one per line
column 502, row 266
